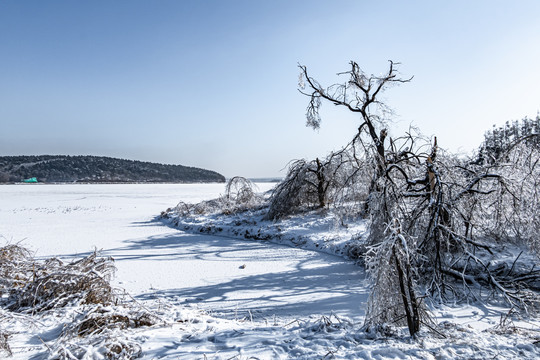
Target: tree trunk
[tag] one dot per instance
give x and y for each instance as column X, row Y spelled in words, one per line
column 410, row 304
column 321, row 188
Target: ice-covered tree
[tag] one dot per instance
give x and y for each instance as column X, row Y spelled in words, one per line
column 428, row 210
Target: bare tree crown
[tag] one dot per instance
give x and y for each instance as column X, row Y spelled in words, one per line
column 360, row 94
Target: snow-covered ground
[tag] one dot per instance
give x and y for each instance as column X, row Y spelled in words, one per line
column 219, row 295
column 220, row 274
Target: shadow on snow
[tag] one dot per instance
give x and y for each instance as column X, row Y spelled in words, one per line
column 293, row 282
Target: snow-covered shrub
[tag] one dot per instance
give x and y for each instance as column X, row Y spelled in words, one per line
column 499, row 141
column 207, row 207
column 239, row 190
column 101, row 316
column 15, row 263
column 329, row 324
column 182, row 209
column 240, row 195
column 112, row 349
column 39, row 286
column 100, row 330
column 293, row 193
column 514, row 213
column 332, row 182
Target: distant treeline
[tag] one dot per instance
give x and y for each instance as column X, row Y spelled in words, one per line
column 499, row 140
column 98, row 169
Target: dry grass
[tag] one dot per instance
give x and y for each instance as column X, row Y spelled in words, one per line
column 15, row 267
column 35, row 286
column 103, row 327
column 113, row 349
column 106, row 319
column 40, row 286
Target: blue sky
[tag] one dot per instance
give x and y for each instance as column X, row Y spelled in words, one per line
column 213, row 84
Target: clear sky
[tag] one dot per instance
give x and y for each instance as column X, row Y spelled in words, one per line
column 213, row 84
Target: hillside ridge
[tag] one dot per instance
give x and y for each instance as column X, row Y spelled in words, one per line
column 98, row 169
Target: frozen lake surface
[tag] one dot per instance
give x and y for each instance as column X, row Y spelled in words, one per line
column 225, row 276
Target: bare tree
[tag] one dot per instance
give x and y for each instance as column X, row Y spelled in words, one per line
column 360, row 94
column 427, row 208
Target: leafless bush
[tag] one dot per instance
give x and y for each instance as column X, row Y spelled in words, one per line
column 101, row 316
column 207, row 207
column 35, row 286
column 102, row 327
column 514, row 212
column 98, row 322
column 239, row 190
column 15, row 266
column 183, row 209
column 38, row 286
column 293, row 193
column 318, row 184
column 451, row 211
column 13, row 253
column 240, row 195
column 352, row 188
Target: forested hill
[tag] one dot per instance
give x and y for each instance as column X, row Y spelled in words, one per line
column 98, row 169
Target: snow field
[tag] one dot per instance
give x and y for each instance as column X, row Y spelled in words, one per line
column 222, row 297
